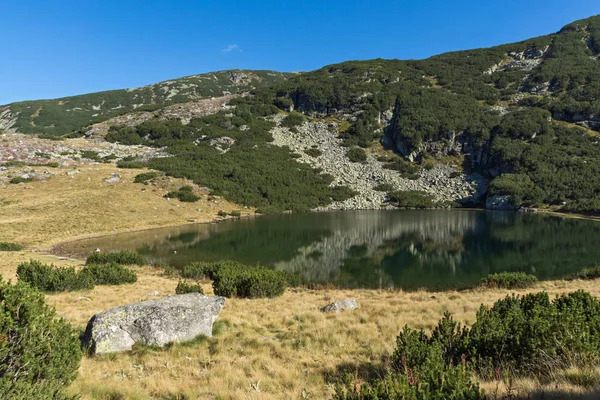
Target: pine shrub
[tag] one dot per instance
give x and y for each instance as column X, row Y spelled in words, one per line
column 509, row 280
column 185, row 287
column 110, row 274
column 39, row 352
column 50, row 278
column 356, row 154
column 7, row 246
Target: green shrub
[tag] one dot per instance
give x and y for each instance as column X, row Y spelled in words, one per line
column 313, row 152
column 39, row 352
column 201, row 270
column 509, row 280
column 412, row 199
column 145, row 177
column 7, row 246
column 184, row 194
column 356, row 154
column 124, row 257
column 222, row 213
column 400, row 165
column 19, row 179
column 384, row 187
column 248, row 282
column 132, row 164
column 293, row 120
column 587, row 274
column 50, row 278
column 292, row 279
column 110, row 274
column 184, row 287
column 235, row 213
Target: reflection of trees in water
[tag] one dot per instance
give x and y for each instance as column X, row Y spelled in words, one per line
column 546, row 246
column 409, row 249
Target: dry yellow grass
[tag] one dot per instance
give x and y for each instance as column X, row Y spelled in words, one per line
column 281, row 348
column 42, row 214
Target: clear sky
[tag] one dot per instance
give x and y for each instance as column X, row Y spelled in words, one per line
column 55, row 48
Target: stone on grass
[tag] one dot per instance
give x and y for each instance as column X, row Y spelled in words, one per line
column 337, row 306
column 178, row 318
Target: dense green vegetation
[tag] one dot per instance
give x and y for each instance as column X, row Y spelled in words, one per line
column 145, row 177
column 50, row 278
column 185, row 287
column 185, row 194
column 234, row 279
column 124, row 257
column 39, row 352
column 509, row 280
column 8, row 246
column 252, row 172
column 518, row 336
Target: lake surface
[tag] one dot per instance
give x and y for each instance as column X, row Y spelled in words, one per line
column 377, row 249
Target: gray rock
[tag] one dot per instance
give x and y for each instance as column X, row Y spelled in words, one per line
column 337, row 306
column 158, row 322
column 499, row 202
column 115, row 178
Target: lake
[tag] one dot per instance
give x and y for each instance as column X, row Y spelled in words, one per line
column 407, row 249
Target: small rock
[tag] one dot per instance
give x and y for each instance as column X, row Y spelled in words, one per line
column 82, row 298
column 72, row 172
column 154, row 293
column 337, row 306
column 115, row 178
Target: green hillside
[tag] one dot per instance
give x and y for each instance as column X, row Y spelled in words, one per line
column 525, row 115
column 64, row 115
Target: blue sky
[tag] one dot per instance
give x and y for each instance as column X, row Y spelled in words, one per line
column 56, row 48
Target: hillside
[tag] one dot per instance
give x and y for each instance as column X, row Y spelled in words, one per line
column 61, row 116
column 506, row 127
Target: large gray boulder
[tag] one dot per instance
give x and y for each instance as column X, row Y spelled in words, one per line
column 337, row 306
column 158, row 322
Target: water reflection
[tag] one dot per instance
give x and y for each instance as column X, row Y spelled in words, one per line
column 408, row 249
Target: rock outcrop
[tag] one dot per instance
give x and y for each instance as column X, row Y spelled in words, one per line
column 158, row 322
column 337, row 306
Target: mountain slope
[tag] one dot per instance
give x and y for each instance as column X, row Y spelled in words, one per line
column 64, row 115
column 523, row 118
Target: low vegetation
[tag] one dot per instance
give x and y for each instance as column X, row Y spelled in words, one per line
column 184, row 194
column 509, row 280
column 124, row 257
column 526, row 335
column 356, row 154
column 8, row 246
column 186, row 287
column 39, row 352
column 587, row 274
column 412, row 199
column 110, row 274
column 19, row 179
column 145, row 177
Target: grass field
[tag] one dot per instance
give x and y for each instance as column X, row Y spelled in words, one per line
column 282, row 348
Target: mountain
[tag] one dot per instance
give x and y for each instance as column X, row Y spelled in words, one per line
column 64, row 115
column 506, row 127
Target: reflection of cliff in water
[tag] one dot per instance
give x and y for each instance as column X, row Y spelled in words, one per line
column 408, row 249
column 359, row 242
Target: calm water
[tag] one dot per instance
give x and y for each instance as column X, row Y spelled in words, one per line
column 408, row 249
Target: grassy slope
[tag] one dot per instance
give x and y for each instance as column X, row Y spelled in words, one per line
column 61, row 116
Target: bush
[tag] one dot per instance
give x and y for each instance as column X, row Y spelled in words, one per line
column 222, row 213
column 412, row 199
column 145, row 177
column 313, row 152
column 384, row 187
column 19, row 179
column 184, row 194
column 184, row 287
column 293, row 120
column 39, row 352
column 292, row 279
column 53, row 279
column 248, row 282
column 235, row 213
column 587, row 274
column 356, row 154
column 201, row 270
column 110, row 274
column 132, row 164
column 7, row 246
column 509, row 280
column 124, row 257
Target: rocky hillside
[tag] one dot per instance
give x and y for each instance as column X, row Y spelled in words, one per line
column 510, row 126
column 64, row 115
